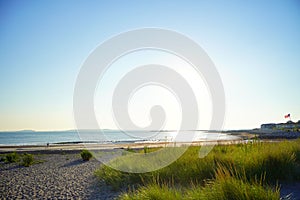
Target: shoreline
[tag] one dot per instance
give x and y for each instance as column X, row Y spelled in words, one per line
column 80, row 146
column 70, row 147
column 243, row 136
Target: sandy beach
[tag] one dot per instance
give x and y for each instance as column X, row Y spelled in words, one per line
column 94, row 146
column 59, row 175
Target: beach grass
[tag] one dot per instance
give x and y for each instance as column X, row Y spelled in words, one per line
column 224, row 186
column 252, row 165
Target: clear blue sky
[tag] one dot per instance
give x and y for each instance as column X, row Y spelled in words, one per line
column 255, row 46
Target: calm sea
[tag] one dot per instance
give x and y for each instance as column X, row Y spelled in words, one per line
column 104, row 136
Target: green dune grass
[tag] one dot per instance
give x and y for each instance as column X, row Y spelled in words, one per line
column 242, row 170
column 224, row 186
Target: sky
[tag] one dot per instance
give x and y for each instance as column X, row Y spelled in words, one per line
column 43, row 44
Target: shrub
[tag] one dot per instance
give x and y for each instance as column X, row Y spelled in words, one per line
column 146, row 149
column 2, row 158
column 130, row 150
column 27, row 160
column 86, row 155
column 12, row 157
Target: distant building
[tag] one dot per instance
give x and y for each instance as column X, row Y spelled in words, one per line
column 268, row 126
column 282, row 126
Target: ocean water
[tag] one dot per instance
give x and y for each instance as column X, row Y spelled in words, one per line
column 105, row 136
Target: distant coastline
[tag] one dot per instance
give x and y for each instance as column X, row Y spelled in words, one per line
column 288, row 130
